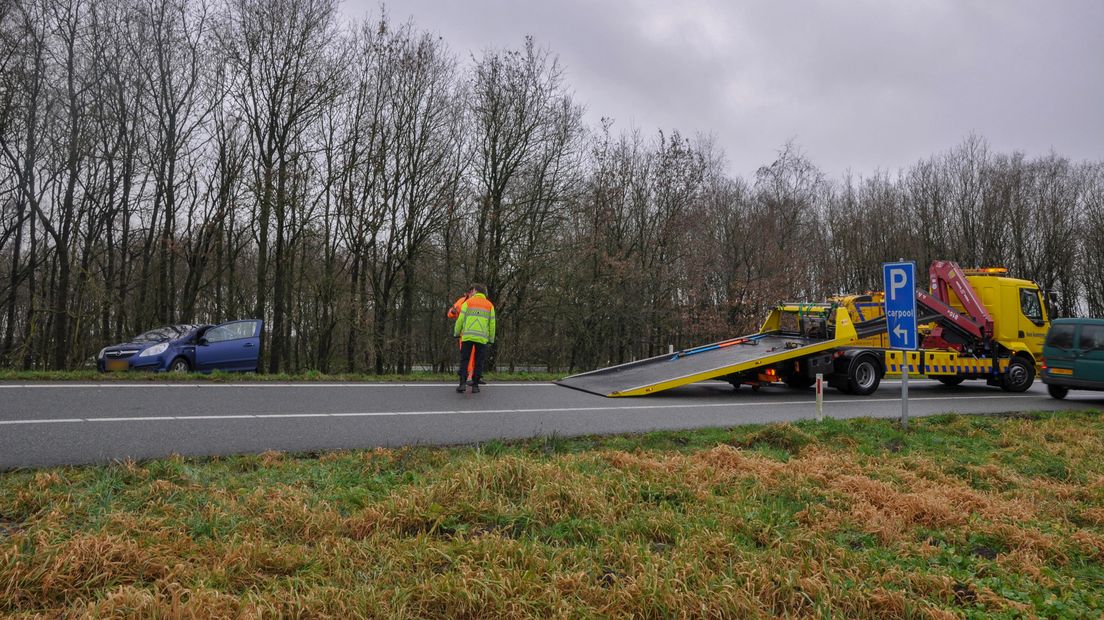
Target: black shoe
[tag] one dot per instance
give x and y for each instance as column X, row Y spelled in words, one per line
column 475, row 389
column 482, row 381
column 462, row 387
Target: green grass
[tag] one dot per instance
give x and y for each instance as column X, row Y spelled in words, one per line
column 234, row 377
column 961, row 516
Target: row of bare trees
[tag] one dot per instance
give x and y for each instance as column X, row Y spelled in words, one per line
column 185, row 161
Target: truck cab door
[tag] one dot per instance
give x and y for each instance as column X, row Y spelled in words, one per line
column 1032, row 320
column 1089, row 363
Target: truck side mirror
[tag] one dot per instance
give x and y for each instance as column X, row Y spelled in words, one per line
column 1052, row 304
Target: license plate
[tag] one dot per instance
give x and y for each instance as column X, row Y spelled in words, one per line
column 117, row 365
column 1061, row 371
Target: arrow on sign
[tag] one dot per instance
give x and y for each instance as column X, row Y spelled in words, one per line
column 901, row 333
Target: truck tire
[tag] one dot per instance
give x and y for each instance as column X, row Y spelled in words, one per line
column 1057, row 391
column 1018, row 376
column 863, row 376
column 950, row 381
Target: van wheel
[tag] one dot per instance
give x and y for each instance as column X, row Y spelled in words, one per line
column 950, row 381
column 1019, row 375
column 863, row 376
column 1057, row 391
column 180, row 365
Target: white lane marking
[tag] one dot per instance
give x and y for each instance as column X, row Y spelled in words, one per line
column 47, row 421
column 60, row 386
column 146, row 419
column 367, row 414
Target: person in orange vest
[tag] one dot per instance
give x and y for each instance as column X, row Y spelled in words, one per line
column 453, row 314
column 475, row 327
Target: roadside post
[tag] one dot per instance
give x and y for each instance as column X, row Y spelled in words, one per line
column 820, row 397
column 899, row 281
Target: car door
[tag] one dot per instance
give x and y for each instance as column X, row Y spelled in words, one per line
column 231, row 346
column 1089, row 364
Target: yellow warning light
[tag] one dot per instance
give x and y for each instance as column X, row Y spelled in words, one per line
column 986, row 271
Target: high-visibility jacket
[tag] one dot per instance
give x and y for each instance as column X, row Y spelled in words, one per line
column 476, row 322
column 454, row 311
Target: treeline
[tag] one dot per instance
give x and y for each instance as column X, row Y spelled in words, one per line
column 179, row 161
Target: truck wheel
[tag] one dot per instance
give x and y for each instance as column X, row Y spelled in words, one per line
column 1057, row 391
column 950, row 381
column 1019, row 375
column 863, row 376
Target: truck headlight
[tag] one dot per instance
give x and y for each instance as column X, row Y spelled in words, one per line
column 156, row 349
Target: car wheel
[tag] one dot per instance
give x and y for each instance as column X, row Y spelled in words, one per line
column 1018, row 376
column 1057, row 391
column 180, row 365
column 863, row 376
column 950, row 381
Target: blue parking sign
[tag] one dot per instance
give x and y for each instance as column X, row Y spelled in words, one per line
column 900, row 304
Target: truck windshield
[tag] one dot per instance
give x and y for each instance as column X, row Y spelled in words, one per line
column 1030, row 305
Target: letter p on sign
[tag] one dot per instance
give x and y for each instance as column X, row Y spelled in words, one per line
column 898, row 279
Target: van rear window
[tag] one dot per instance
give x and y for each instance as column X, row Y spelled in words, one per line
column 1092, row 336
column 1060, row 336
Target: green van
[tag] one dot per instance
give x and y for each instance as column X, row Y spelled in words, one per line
column 1073, row 356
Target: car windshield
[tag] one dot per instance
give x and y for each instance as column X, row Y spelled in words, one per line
column 161, row 334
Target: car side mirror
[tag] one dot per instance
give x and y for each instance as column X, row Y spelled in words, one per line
column 203, row 342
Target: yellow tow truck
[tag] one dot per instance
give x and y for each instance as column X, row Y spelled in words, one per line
column 977, row 324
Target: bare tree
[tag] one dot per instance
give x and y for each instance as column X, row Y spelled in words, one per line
column 286, row 73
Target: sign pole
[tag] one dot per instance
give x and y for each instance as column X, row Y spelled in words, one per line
column 819, row 397
column 904, row 393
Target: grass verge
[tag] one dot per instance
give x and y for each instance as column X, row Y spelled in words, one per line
column 235, row 377
column 962, row 516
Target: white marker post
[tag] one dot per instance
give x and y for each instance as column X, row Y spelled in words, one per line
column 819, row 397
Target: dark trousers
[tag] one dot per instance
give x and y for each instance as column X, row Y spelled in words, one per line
column 465, row 355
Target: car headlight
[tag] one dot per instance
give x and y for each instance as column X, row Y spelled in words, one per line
column 99, row 355
column 156, row 349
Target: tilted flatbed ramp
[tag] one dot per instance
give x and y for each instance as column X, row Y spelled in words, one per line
column 708, row 362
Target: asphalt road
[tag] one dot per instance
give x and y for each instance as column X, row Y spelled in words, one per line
column 46, row 424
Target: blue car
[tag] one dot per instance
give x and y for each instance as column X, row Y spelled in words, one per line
column 233, row 346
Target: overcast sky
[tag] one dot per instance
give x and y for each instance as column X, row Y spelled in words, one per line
column 858, row 84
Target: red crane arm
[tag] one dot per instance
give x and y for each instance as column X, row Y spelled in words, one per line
column 947, row 276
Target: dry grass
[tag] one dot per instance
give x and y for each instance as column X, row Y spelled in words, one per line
column 961, row 516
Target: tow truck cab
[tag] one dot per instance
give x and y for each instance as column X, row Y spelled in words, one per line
column 1020, row 318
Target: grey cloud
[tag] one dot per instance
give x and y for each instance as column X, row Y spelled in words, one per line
column 861, row 85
